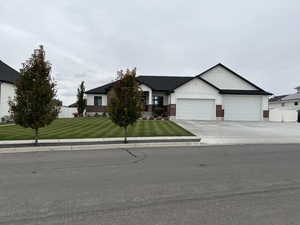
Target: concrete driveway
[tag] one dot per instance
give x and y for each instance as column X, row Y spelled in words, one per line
column 228, row 132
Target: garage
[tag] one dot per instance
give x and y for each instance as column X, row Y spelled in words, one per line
column 242, row 107
column 196, row 109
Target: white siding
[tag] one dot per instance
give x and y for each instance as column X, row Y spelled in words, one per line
column 90, row 99
column 224, row 79
column 265, row 102
column 196, row 89
column 149, row 90
column 7, row 92
column 288, row 105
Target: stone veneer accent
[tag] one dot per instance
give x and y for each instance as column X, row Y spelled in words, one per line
column 219, row 111
column 172, row 110
column 266, row 114
column 95, row 108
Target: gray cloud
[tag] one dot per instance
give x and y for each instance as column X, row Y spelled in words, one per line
column 91, row 41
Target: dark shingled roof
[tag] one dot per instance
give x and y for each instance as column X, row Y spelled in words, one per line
column 8, row 74
column 156, row 83
column 163, row 83
column 244, row 92
column 101, row 90
column 277, row 98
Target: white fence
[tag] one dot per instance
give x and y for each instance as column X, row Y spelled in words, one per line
column 67, row 112
column 279, row 115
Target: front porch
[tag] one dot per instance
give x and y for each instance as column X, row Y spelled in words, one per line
column 156, row 104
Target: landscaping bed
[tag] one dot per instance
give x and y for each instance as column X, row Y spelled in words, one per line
column 98, row 127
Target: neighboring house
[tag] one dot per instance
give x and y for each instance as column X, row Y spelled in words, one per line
column 286, row 108
column 68, row 111
column 216, row 94
column 8, row 77
column 291, row 101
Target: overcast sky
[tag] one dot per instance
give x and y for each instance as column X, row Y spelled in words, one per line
column 91, row 40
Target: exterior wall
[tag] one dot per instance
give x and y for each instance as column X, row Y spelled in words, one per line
column 196, row 89
column 149, row 90
column 90, row 99
column 288, row 105
column 274, row 105
column 7, row 92
column 92, row 109
column 224, row 79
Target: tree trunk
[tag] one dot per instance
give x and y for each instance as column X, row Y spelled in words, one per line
column 36, row 136
column 125, row 135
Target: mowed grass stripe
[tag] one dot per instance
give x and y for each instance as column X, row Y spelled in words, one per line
column 156, row 129
column 58, row 127
column 139, row 128
column 94, row 132
column 66, row 130
column 178, row 130
column 109, row 130
column 148, row 128
column 89, row 129
column 134, row 129
column 80, row 132
column 165, row 129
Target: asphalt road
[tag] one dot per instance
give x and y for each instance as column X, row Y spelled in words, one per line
column 254, row 184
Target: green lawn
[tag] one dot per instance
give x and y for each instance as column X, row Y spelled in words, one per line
column 93, row 128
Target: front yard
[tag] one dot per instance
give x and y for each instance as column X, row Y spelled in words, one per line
column 93, row 128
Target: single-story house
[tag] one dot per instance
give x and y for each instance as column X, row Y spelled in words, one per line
column 8, row 78
column 289, row 101
column 286, row 108
column 216, row 94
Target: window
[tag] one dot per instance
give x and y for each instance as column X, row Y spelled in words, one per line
column 98, row 100
column 283, row 104
column 295, row 103
column 158, row 100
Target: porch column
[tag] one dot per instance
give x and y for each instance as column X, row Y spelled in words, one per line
column 150, row 101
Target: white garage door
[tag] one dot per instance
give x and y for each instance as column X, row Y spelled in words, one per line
column 243, row 107
column 196, row 109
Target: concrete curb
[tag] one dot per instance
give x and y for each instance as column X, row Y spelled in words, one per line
column 96, row 144
column 103, row 140
column 96, row 147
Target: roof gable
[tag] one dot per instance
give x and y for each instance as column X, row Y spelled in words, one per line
column 225, row 78
column 8, row 74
